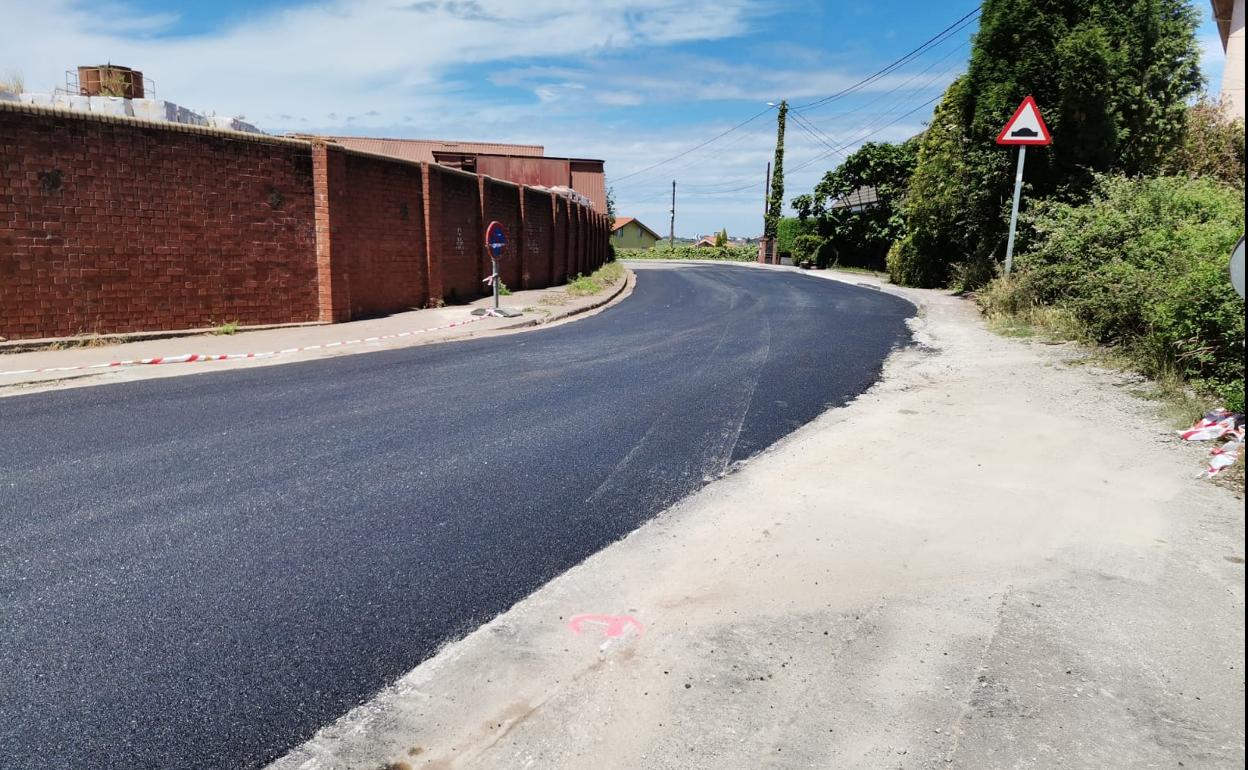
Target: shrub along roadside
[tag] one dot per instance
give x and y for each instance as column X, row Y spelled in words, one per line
column 1142, row 267
column 723, row 253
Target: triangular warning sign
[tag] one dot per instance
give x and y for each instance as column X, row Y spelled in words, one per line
column 1026, row 127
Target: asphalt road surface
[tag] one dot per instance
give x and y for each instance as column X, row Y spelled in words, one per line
column 200, row 571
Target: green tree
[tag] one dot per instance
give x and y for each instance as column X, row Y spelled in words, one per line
column 1112, row 78
column 861, row 238
column 788, row 229
column 1212, row 146
column 934, row 210
column 721, row 238
column 775, row 201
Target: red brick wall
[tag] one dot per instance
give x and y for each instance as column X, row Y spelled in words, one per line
column 378, row 233
column 577, row 249
column 117, row 225
column 560, row 252
column 538, row 238
column 455, row 238
column 112, row 226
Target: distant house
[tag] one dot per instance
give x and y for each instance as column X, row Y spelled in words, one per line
column 704, row 241
column 630, row 233
column 858, row 200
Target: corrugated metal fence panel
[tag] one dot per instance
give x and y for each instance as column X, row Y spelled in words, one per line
column 422, row 149
column 546, row 172
column 593, row 185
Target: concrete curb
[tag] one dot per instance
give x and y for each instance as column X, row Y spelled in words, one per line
column 629, row 282
column 120, row 338
column 45, row 343
column 88, row 377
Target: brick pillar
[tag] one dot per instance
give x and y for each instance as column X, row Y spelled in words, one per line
column 594, row 256
column 574, row 230
column 333, row 293
column 554, row 233
column 483, row 219
column 433, row 264
column 518, row 250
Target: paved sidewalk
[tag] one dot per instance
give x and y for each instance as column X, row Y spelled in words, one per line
column 419, row 327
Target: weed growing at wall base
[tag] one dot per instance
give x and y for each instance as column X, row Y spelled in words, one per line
column 602, row 278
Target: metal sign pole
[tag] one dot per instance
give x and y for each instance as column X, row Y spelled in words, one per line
column 494, row 264
column 1018, row 191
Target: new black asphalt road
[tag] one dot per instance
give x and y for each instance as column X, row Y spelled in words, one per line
column 200, row 571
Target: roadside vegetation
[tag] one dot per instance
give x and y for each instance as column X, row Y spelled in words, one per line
column 1128, row 217
column 722, row 253
column 225, row 329
column 603, row 278
column 1140, row 266
column 833, row 230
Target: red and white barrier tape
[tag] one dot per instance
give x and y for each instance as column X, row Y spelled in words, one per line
column 188, row 358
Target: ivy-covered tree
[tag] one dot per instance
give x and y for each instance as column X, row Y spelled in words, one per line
column 1112, row 78
column 775, row 201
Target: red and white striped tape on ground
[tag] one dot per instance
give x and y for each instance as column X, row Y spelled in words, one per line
column 188, row 358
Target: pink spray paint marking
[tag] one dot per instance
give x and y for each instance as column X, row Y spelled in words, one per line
column 616, row 625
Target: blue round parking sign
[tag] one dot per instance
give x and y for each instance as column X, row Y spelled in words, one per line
column 495, row 239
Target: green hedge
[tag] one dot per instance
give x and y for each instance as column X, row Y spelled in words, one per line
column 1143, row 265
column 723, row 253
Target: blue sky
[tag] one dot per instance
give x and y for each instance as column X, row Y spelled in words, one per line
column 632, row 83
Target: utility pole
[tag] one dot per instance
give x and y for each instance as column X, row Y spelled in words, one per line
column 671, row 234
column 775, row 201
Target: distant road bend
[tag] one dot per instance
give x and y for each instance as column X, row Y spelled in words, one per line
column 200, row 571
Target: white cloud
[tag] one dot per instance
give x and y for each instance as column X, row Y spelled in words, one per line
column 388, row 56
column 538, row 71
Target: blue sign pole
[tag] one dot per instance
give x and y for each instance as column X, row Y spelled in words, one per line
column 495, row 243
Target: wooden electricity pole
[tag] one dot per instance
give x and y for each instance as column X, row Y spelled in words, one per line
column 671, row 233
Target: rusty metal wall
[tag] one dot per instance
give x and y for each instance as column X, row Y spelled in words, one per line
column 593, row 185
column 546, row 172
column 418, row 150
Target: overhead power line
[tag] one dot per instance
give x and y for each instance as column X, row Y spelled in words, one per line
column 850, row 143
column 832, row 145
column 929, row 43
column 679, row 155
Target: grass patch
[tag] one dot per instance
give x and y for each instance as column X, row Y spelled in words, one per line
column 604, row 277
column 583, row 286
column 1009, row 326
column 85, row 341
column 860, row 271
